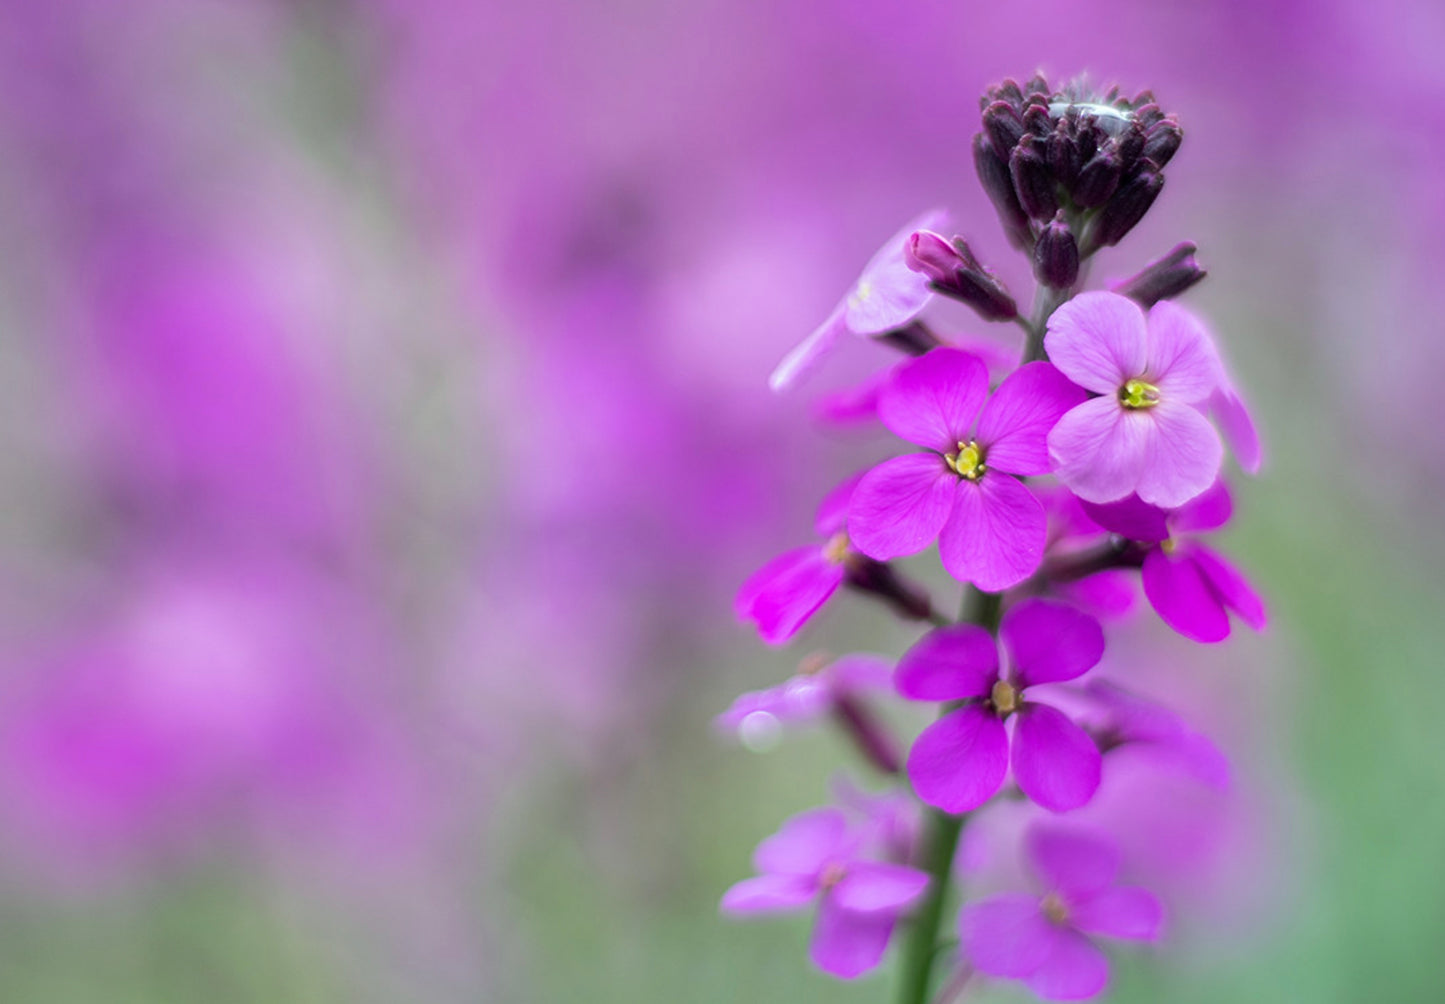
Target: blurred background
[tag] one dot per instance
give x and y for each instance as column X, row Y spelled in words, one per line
column 386, row 432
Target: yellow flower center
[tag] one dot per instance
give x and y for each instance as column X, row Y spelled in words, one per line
column 1137, row 393
column 1005, row 698
column 836, row 549
column 967, row 462
column 833, row 873
column 1055, row 908
column 1168, row 545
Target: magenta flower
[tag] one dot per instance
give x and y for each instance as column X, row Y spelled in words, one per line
column 1145, row 434
column 1126, row 719
column 959, row 761
column 1043, row 940
column 990, row 528
column 806, row 697
column 815, row 857
column 784, row 593
column 885, row 298
column 1190, row 586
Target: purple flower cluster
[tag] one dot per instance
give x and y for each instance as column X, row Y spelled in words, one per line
column 1115, row 396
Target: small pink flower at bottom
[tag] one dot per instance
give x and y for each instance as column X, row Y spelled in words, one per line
column 1145, row 433
column 1044, row 940
column 959, row 762
column 990, row 528
column 815, row 858
column 1191, row 586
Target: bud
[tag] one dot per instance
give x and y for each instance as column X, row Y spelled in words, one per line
column 1061, row 150
column 1097, row 180
column 1033, row 182
column 993, row 174
column 1165, row 278
column 1004, row 127
column 953, row 270
column 1130, row 146
column 1128, row 207
column 1056, row 255
column 1163, row 141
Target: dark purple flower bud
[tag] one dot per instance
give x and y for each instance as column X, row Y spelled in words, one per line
column 1165, row 278
column 1008, row 91
column 1061, row 151
column 993, row 174
column 1033, row 182
column 1128, row 207
column 1037, row 119
column 1097, row 180
column 1037, row 86
column 1163, row 141
column 1087, row 138
column 953, row 269
column 1147, row 115
column 1056, row 255
column 1130, row 146
column 1004, row 127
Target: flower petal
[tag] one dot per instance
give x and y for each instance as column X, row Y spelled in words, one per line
column 889, row 294
column 848, row 944
column 900, row 505
column 1006, row 935
column 1182, row 458
column 959, row 761
column 1209, row 510
column 804, row 359
column 860, row 672
column 1098, row 449
column 1051, row 642
column 1183, row 362
column 833, row 510
column 804, row 843
column 1179, row 593
column 873, row 886
column 769, row 894
column 996, row 535
column 1054, row 761
column 1074, row 970
column 1076, row 861
column 1098, row 340
column 1131, row 517
column 932, row 401
column 949, row 664
column 786, row 591
column 1014, row 426
column 1126, row 912
column 1230, row 586
column 1229, row 410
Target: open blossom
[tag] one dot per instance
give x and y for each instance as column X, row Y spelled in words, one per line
column 1145, row 434
column 1043, row 940
column 1191, row 586
column 990, row 528
column 816, row 858
column 959, row 762
column 819, row 686
column 886, row 297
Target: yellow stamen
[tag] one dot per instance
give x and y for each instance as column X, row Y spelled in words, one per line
column 832, row 874
column 1168, row 545
column 836, row 549
column 1005, row 698
column 1137, row 393
column 967, row 462
column 1055, row 908
column 814, row 663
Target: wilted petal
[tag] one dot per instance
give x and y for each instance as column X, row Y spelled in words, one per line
column 1098, row 449
column 959, row 761
column 769, row 894
column 786, row 591
column 949, row 664
column 1098, row 340
column 1182, row 457
column 1073, row 860
column 1005, row 935
column 900, row 505
column 804, row 843
column 873, row 886
column 1125, row 912
column 833, row 510
column 1183, row 599
column 996, row 535
column 1209, row 510
column 1074, row 970
column 1054, row 761
column 1051, row 642
column 848, row 944
column 932, row 400
column 806, row 357
column 1014, row 426
column 1131, row 517
column 1182, row 362
column 1230, row 586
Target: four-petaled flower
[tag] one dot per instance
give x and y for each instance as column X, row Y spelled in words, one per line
column 815, row 856
column 959, row 761
column 990, row 528
column 1043, row 940
column 1146, row 433
column 1190, row 586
